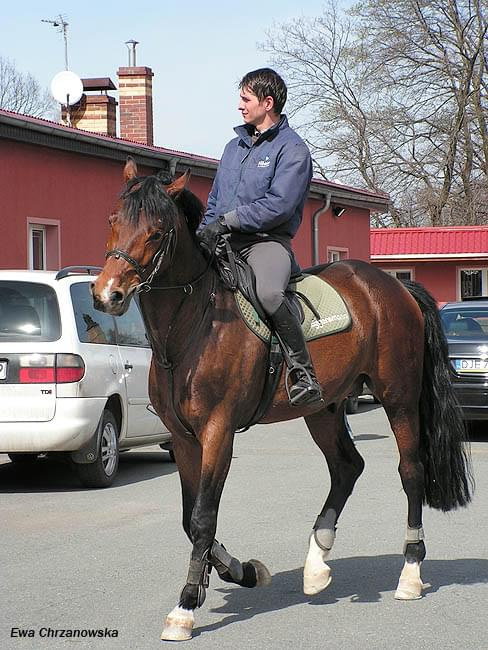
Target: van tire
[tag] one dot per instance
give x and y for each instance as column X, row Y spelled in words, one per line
column 101, row 473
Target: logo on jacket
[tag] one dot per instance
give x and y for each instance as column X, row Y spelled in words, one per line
column 264, row 163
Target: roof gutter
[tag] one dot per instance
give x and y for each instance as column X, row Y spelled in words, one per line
column 315, row 227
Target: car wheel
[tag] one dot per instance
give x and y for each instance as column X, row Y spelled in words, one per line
column 352, row 405
column 102, row 472
column 23, row 458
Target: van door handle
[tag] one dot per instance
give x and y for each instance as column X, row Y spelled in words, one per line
column 128, row 366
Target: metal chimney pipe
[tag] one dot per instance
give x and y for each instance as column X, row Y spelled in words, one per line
column 131, row 46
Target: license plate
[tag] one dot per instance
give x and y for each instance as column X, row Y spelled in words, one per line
column 471, row 365
column 3, row 369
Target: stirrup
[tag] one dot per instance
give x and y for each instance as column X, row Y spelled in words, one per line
column 309, row 394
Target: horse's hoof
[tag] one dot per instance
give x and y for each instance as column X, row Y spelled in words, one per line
column 409, row 590
column 410, row 584
column 316, row 582
column 263, row 576
column 178, row 625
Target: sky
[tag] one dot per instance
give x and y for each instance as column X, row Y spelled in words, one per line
column 198, row 51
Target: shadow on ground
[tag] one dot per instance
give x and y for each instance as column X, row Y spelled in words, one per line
column 58, row 475
column 358, row 579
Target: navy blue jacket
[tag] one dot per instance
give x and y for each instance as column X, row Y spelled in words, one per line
column 261, row 188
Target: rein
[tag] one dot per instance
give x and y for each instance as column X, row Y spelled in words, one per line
column 167, row 247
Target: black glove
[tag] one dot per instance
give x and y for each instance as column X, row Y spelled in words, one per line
column 209, row 236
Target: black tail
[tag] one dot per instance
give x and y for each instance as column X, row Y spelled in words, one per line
column 445, row 454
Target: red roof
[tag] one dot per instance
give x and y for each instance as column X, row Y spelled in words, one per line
column 429, row 243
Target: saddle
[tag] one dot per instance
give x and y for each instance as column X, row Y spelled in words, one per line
column 318, row 307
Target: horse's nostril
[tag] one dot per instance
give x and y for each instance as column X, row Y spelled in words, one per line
column 116, row 297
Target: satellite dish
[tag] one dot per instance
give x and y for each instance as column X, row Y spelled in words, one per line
column 67, row 88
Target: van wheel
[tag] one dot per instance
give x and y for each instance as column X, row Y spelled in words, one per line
column 101, row 473
column 23, row 458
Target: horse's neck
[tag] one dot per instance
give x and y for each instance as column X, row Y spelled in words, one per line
column 173, row 315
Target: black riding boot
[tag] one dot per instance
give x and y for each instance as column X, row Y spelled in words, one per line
column 304, row 389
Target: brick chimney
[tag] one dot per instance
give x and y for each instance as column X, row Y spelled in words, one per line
column 95, row 113
column 135, row 102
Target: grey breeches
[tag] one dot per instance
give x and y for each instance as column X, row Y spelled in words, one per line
column 271, row 264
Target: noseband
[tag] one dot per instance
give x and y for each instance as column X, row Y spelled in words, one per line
column 167, row 244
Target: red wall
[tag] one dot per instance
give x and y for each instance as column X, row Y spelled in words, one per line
column 439, row 278
column 80, row 190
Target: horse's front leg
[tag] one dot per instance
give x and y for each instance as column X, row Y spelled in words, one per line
column 217, row 442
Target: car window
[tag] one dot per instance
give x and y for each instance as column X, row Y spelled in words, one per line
column 93, row 326
column 466, row 322
column 130, row 328
column 28, row 312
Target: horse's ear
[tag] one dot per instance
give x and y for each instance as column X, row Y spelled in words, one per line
column 130, row 170
column 178, row 185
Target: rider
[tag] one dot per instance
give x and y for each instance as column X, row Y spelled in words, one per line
column 258, row 196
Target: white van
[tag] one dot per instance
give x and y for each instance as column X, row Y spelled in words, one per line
column 72, row 379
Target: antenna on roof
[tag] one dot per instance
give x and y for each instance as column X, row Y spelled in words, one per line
column 66, row 86
column 62, row 26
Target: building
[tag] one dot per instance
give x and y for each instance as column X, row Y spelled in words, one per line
column 451, row 262
column 58, row 183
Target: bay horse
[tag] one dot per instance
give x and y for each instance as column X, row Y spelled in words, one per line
column 207, row 375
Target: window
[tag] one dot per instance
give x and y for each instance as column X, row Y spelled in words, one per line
column 400, row 274
column 130, row 328
column 473, row 283
column 93, row 326
column 336, row 253
column 37, row 242
column 28, row 312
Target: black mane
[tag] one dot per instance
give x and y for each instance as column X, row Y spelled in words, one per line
column 148, row 194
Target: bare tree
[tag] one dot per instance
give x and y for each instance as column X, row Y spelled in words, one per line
column 22, row 93
column 393, row 96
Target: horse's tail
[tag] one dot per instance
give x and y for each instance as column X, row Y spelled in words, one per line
column 445, row 454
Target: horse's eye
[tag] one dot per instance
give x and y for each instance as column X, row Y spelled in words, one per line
column 156, row 236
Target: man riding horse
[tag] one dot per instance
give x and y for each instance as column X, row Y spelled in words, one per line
column 258, row 196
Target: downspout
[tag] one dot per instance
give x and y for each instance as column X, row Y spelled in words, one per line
column 315, row 227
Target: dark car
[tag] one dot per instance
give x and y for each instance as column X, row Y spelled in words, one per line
column 466, row 328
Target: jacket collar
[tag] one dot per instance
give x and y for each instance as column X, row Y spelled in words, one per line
column 245, row 131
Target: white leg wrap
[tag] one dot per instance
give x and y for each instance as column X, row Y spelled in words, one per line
column 410, row 585
column 316, row 573
column 178, row 625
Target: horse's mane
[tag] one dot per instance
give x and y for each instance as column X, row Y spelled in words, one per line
column 148, row 194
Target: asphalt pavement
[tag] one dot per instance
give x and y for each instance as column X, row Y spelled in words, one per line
column 115, row 560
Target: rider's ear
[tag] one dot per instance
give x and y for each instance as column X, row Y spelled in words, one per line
column 130, row 170
column 178, row 185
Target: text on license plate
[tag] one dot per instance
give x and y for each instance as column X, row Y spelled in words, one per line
column 3, row 369
column 471, row 365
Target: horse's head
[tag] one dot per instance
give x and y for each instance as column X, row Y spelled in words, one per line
column 142, row 238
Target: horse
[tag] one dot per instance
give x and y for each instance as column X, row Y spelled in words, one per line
column 208, row 371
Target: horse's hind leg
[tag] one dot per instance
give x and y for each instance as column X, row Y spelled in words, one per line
column 404, row 422
column 345, row 466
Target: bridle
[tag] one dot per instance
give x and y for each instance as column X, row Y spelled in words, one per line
column 166, row 246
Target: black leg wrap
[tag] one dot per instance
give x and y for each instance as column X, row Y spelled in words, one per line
column 249, row 578
column 415, row 552
column 228, row 567
column 195, row 590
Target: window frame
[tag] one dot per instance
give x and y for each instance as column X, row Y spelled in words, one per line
column 340, row 250
column 394, row 272
column 484, row 279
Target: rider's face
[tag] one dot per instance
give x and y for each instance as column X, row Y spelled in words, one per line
column 253, row 111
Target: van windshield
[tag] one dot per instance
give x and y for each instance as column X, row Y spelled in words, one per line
column 28, row 312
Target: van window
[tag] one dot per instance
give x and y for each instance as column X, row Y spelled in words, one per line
column 93, row 326
column 28, row 312
column 130, row 328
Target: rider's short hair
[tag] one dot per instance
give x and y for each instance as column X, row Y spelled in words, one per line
column 265, row 82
